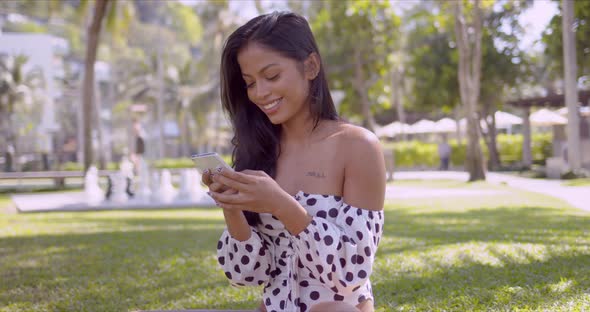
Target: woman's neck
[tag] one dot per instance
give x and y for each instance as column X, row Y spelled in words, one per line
column 298, row 131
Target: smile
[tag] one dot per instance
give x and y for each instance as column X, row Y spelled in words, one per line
column 272, row 105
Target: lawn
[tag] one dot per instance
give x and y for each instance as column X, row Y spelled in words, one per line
column 517, row 251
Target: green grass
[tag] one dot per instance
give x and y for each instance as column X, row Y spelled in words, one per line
column 577, row 182
column 514, row 252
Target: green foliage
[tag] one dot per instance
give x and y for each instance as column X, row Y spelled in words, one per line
column 353, row 36
column 185, row 21
column 416, row 154
column 553, row 40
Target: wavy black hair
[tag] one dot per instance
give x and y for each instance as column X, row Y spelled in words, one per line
column 256, row 140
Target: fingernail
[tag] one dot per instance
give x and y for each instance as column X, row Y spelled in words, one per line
column 206, row 171
column 209, row 193
column 219, row 169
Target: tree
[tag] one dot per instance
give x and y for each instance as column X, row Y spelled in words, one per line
column 16, row 91
column 356, row 38
column 468, row 30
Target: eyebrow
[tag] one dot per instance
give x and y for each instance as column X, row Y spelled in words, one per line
column 263, row 68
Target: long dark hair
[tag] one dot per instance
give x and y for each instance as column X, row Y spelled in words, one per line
column 256, row 140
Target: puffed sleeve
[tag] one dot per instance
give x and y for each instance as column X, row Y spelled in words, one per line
column 340, row 253
column 245, row 262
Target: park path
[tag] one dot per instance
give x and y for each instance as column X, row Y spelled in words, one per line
column 577, row 196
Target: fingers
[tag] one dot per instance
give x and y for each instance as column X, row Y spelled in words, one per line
column 217, row 187
column 258, row 173
column 226, row 198
column 221, row 179
column 241, row 177
column 206, row 177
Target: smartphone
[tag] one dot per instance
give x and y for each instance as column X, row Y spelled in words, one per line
column 209, row 161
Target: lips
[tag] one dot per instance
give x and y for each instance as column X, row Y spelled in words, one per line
column 272, row 106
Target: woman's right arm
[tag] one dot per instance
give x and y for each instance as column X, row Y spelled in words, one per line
column 241, row 251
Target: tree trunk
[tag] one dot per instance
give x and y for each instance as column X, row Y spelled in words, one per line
column 469, row 44
column 397, row 87
column 490, row 138
column 571, row 91
column 361, row 90
column 527, row 156
column 93, row 35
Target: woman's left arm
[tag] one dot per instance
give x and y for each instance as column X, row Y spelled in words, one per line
column 341, row 253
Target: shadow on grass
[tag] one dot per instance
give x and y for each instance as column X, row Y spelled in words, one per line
column 510, row 224
column 136, row 263
column 484, row 259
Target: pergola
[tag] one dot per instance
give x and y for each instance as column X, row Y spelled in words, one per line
column 552, row 100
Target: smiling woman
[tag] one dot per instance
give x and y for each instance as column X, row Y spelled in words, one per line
column 304, row 206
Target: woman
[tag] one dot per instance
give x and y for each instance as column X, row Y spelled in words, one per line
column 311, row 251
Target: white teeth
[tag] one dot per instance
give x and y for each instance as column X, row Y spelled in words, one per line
column 271, row 105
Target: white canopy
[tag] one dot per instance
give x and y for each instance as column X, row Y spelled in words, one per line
column 423, row 126
column 392, row 129
column 506, row 120
column 446, row 125
column 545, row 117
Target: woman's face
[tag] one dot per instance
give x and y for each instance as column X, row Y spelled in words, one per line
column 276, row 84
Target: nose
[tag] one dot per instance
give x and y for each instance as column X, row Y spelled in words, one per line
column 262, row 90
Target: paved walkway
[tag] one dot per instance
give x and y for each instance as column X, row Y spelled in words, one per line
column 577, row 196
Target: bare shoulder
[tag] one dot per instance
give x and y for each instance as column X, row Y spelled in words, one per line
column 352, row 136
column 364, row 172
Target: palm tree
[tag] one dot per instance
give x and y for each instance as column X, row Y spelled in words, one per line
column 16, row 87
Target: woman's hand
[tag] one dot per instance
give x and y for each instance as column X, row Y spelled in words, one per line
column 255, row 191
column 213, row 186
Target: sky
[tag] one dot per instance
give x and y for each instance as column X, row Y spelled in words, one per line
column 534, row 19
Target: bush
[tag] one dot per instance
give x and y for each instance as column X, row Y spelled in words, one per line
column 413, row 154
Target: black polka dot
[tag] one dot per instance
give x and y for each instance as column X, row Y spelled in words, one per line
column 339, row 246
column 245, row 260
column 237, row 269
column 368, row 251
column 359, row 234
column 309, row 257
column 368, row 225
column 333, row 212
column 249, row 278
column 359, row 212
column 349, row 220
column 261, row 252
column 360, row 259
column 219, row 245
column 361, row 298
column 316, row 236
column 330, row 259
column 276, row 291
column 362, row 274
column 249, row 248
column 314, row 295
column 221, row 260
column 304, row 283
column 231, row 256
column 228, row 275
column 371, row 215
column 282, row 262
column 325, row 226
column 328, row 240
column 356, row 288
column 311, row 201
column 338, row 297
column 319, row 268
column 267, row 302
column 268, row 227
column 337, row 198
column 349, row 276
column 302, row 306
column 321, row 214
column 284, row 283
column 342, row 262
column 353, row 259
column 235, row 247
column 282, row 304
column 257, row 265
column 346, row 209
column 377, row 227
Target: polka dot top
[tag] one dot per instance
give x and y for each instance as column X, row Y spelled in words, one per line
column 330, row 260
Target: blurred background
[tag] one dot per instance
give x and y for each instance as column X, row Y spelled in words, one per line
column 80, row 80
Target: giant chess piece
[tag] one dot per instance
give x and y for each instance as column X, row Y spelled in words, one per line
column 118, row 186
column 143, row 192
column 166, row 192
column 92, row 190
column 184, row 194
